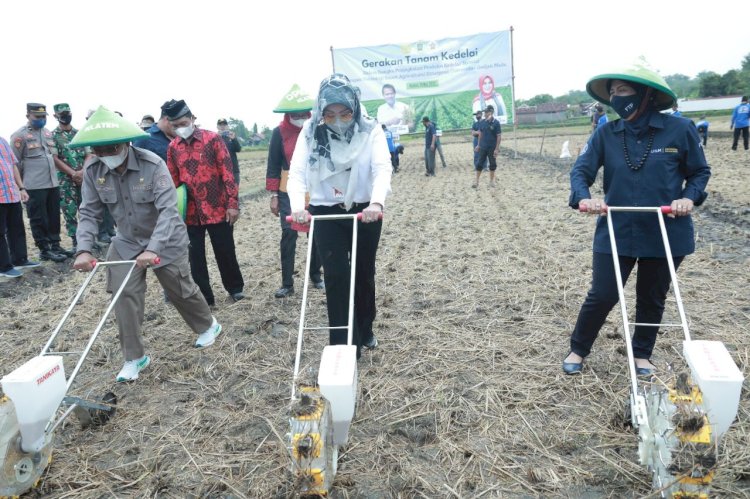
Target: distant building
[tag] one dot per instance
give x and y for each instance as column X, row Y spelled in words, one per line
column 708, row 104
column 549, row 112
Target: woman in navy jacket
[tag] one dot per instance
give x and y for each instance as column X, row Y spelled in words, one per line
column 649, row 159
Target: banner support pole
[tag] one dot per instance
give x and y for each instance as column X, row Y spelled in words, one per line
column 513, row 97
column 333, row 61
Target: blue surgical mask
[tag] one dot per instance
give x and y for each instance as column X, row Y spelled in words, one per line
column 39, row 123
column 625, row 106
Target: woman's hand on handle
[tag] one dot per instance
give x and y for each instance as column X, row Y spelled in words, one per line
column 372, row 213
column 593, row 206
column 301, row 217
column 681, row 207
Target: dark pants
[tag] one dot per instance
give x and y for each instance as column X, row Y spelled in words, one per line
column 43, row 210
column 394, row 160
column 288, row 247
column 703, row 133
column 745, row 137
column 486, row 155
column 334, row 240
column 652, row 284
column 429, row 160
column 12, row 236
column 222, row 241
column 476, row 160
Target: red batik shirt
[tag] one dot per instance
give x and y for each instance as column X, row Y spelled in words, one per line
column 203, row 164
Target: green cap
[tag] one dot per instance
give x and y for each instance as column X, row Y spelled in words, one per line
column 295, row 101
column 182, row 200
column 639, row 72
column 105, row 127
column 61, row 108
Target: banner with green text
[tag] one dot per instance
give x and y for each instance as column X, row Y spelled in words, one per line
column 447, row 80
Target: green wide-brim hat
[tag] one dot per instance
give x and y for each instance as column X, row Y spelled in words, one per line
column 637, row 73
column 295, row 101
column 182, row 200
column 106, row 127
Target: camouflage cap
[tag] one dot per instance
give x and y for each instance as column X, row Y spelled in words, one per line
column 295, row 101
column 105, row 127
column 639, row 72
column 61, row 108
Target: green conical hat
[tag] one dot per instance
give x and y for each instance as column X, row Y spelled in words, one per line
column 639, row 72
column 295, row 101
column 105, row 127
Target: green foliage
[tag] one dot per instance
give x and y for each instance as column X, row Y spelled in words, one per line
column 239, row 129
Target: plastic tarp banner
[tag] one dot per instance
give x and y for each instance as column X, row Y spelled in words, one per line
column 446, row 80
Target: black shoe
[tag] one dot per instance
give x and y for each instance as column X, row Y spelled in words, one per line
column 56, row 248
column 238, row 296
column 321, row 284
column 284, row 292
column 371, row 343
column 49, row 255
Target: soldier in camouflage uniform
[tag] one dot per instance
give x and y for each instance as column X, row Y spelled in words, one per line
column 69, row 164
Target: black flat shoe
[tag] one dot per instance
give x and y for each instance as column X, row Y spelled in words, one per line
column 284, row 292
column 319, row 285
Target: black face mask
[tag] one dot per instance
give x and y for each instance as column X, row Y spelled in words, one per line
column 65, row 119
column 625, row 106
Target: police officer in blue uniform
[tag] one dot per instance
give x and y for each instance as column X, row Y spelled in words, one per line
column 649, row 159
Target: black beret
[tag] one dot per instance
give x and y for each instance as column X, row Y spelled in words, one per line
column 177, row 110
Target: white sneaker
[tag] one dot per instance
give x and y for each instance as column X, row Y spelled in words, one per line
column 208, row 337
column 130, row 370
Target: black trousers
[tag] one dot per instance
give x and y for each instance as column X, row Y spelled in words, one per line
column 222, row 242
column 745, row 131
column 288, row 247
column 12, row 236
column 43, row 210
column 334, row 240
column 486, row 156
column 652, row 284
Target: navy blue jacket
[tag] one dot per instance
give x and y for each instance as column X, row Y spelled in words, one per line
column 157, row 143
column 676, row 168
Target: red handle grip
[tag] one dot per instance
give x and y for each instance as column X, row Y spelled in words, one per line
column 157, row 260
column 666, row 210
column 93, row 264
column 585, row 209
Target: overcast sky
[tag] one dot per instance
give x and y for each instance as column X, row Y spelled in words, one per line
column 237, row 59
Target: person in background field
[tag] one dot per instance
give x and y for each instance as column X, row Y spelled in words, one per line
column 702, row 127
column 662, row 156
column 438, row 145
column 34, row 149
column 13, row 256
column 488, row 145
column 741, row 122
column 160, row 134
column 675, row 111
column 199, row 159
column 489, row 97
column 138, row 189
column 147, row 122
column 598, row 118
column 430, row 143
column 475, row 140
column 296, row 106
column 393, row 113
column 342, row 160
column 233, row 146
column 391, row 148
column 69, row 162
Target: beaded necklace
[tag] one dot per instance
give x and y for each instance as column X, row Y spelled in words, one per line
column 651, row 134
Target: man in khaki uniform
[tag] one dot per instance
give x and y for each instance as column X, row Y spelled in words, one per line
column 136, row 187
column 34, row 147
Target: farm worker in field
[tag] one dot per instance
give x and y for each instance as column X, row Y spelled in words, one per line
column 233, row 146
column 675, row 110
column 741, row 123
column 489, row 97
column 430, row 146
column 393, row 113
column 488, row 145
column 475, row 140
column 296, row 106
column 649, row 159
column 137, row 188
column 342, row 160
column 199, row 159
column 599, row 118
column 702, row 127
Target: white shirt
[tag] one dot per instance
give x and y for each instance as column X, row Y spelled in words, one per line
column 374, row 170
column 387, row 113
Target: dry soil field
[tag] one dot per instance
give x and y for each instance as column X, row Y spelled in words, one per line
column 477, row 293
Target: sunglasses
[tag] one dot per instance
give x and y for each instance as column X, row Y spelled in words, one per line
column 345, row 116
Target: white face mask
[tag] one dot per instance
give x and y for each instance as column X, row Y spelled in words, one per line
column 185, row 131
column 113, row 162
column 297, row 123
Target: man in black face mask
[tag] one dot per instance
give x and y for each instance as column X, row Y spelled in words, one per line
column 33, row 146
column 69, row 162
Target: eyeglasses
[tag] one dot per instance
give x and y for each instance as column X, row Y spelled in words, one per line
column 345, row 115
column 109, row 150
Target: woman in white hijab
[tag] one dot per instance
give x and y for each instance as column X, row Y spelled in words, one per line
column 342, row 160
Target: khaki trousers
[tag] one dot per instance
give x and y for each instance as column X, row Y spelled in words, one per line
column 179, row 287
